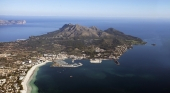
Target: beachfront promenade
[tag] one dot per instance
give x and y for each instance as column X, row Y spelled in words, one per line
column 25, row 81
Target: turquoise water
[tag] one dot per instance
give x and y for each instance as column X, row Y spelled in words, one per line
column 34, row 88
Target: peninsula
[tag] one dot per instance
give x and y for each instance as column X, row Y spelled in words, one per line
column 18, row 59
column 12, row 22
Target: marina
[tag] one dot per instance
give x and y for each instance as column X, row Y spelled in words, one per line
column 61, row 63
column 72, row 65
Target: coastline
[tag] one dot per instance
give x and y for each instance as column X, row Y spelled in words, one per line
column 32, row 88
column 27, row 79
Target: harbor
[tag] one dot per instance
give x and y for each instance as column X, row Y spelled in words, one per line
column 61, row 63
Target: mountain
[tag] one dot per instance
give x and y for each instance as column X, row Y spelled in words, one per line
column 77, row 36
column 119, row 34
column 70, row 31
column 82, row 32
column 74, row 39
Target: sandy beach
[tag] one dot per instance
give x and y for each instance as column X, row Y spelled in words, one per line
column 26, row 80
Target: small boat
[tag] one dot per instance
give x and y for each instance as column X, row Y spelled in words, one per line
column 116, row 62
column 153, row 44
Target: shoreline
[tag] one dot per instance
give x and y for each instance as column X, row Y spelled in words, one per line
column 26, row 80
column 30, row 84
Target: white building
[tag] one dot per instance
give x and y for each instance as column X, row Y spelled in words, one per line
column 29, row 61
column 61, row 56
column 99, row 49
column 23, row 62
column 2, row 81
column 21, row 77
column 5, row 55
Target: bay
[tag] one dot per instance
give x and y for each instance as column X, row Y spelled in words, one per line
column 143, row 69
column 140, row 71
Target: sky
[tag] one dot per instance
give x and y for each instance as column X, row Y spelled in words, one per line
column 87, row 8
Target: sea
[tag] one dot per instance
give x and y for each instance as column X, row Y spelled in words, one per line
column 143, row 69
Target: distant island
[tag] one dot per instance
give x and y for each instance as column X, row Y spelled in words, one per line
column 12, row 22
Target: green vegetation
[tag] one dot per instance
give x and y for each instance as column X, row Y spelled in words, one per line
column 74, row 39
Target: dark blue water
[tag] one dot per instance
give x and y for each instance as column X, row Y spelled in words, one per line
column 143, row 69
column 142, row 28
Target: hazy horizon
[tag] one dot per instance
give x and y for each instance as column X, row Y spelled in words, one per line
column 143, row 9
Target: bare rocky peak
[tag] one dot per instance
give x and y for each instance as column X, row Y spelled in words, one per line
column 70, row 30
column 71, row 27
column 94, row 28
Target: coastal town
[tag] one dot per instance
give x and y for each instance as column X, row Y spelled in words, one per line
column 12, row 75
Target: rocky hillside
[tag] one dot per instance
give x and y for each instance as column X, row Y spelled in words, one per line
column 74, row 39
column 70, row 31
column 78, row 31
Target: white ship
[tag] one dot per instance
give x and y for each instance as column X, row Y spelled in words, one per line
column 95, row 60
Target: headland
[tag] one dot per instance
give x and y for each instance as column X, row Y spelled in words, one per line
column 19, row 58
column 12, row 22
